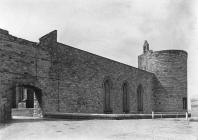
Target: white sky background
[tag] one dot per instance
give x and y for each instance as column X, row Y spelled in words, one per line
column 111, row 28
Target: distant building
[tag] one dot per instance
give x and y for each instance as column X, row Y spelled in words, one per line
column 194, row 107
column 66, row 79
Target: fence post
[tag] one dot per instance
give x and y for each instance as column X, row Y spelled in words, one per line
column 186, row 115
column 152, row 114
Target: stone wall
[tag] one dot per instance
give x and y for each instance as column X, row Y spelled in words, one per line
column 82, row 76
column 170, row 68
column 79, row 77
column 71, row 80
column 22, row 63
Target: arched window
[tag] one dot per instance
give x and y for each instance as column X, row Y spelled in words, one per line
column 107, row 89
column 125, row 97
column 140, row 98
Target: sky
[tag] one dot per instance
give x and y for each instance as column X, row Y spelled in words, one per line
column 115, row 29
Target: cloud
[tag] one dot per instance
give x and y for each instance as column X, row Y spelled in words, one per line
column 108, row 25
column 104, row 27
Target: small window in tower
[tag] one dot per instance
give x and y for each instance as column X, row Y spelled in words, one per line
column 184, row 103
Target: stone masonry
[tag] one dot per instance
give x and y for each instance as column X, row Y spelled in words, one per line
column 170, row 69
column 72, row 80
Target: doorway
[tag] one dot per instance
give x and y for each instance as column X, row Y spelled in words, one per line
column 27, row 102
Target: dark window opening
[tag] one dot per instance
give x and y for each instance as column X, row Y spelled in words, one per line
column 125, row 98
column 107, row 88
column 185, row 103
column 140, row 98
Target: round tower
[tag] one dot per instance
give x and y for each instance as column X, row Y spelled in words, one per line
column 170, row 82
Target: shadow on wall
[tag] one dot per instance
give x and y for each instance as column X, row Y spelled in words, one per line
column 4, row 111
column 159, row 94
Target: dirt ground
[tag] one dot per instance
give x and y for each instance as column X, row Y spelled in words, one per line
column 144, row 129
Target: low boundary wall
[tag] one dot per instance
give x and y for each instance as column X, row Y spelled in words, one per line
column 59, row 115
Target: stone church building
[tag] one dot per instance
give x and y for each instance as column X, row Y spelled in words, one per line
column 69, row 80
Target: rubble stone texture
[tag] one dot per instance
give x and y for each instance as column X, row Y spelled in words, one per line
column 72, row 80
column 170, row 68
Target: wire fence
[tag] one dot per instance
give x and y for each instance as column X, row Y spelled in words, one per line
column 170, row 115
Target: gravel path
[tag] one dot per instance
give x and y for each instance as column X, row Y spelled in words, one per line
column 158, row 129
